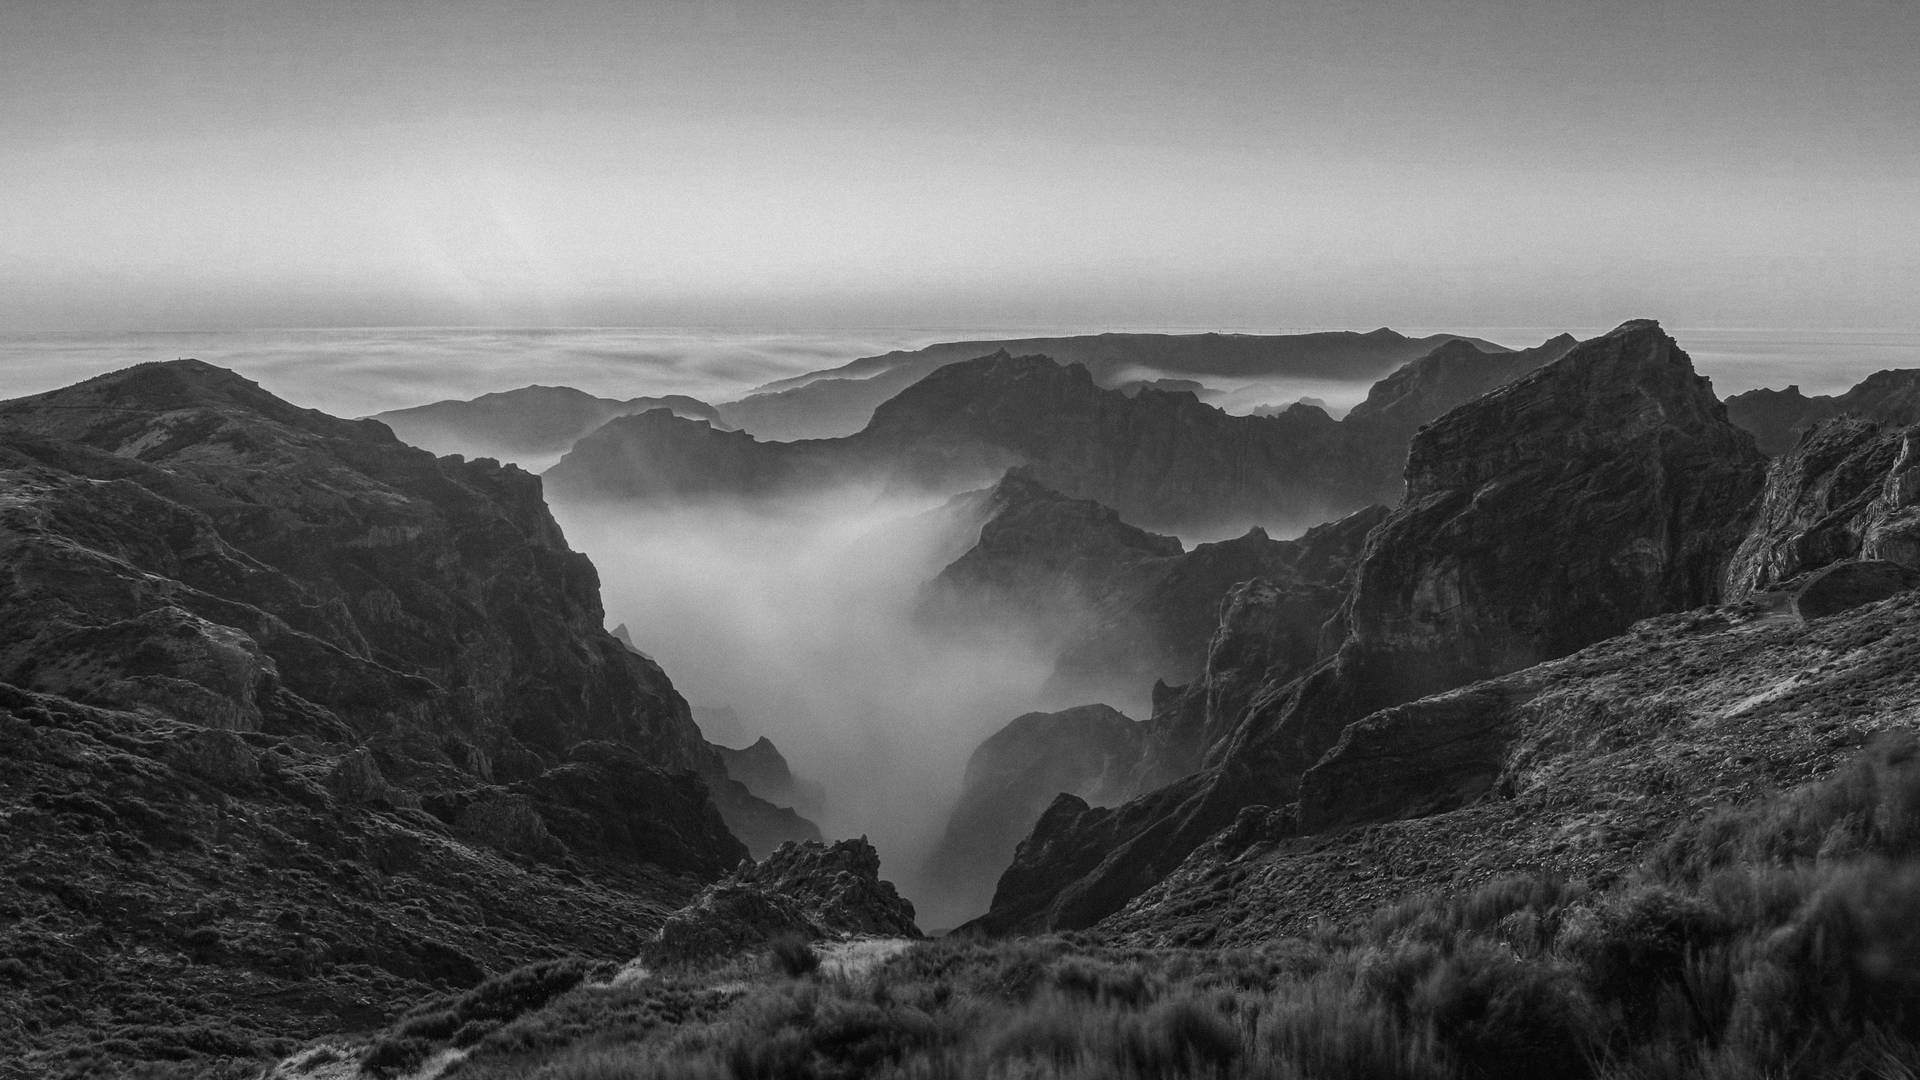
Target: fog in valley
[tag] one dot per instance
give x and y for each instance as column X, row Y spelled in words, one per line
column 798, row 614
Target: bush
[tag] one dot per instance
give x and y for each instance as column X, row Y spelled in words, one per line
column 793, row 956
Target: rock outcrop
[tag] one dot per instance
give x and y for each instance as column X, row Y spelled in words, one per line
column 816, row 890
column 1778, row 418
column 1849, row 489
column 1549, row 514
column 530, row 427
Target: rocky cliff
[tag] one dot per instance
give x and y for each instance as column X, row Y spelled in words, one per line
column 302, row 718
column 1848, row 489
column 1549, row 514
column 1576, row 768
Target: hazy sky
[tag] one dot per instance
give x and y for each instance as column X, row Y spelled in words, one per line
column 818, row 163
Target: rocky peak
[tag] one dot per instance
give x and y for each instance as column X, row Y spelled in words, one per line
column 1631, row 385
column 1549, row 514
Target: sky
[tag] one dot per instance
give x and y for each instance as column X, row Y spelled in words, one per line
column 1730, row 163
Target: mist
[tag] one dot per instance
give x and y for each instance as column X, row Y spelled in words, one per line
column 798, row 615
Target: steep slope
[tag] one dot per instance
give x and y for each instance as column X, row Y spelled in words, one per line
column 301, row 720
column 1777, row 418
column 1225, row 616
column 1549, row 514
column 840, row 401
column 530, row 427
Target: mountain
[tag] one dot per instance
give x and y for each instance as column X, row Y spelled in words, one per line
column 1454, row 373
column 1163, row 461
column 840, row 401
column 300, row 722
column 1121, row 606
column 530, row 427
column 1549, row 514
column 1777, row 418
column 1574, row 770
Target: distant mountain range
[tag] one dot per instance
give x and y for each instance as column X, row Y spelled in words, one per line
column 840, row 401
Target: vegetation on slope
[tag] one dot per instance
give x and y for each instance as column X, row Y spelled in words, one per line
column 1773, row 940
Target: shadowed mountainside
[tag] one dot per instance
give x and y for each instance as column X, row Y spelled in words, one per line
column 301, row 721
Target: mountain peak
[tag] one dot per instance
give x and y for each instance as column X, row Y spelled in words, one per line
column 140, row 406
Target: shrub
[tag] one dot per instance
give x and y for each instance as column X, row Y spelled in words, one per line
column 793, row 956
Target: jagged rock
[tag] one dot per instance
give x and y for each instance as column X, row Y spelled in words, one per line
column 1847, row 490
column 1779, row 418
column 1615, row 460
column 819, row 890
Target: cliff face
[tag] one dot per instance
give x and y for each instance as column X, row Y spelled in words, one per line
column 1549, row 514
column 299, row 713
column 318, row 566
column 1848, row 489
